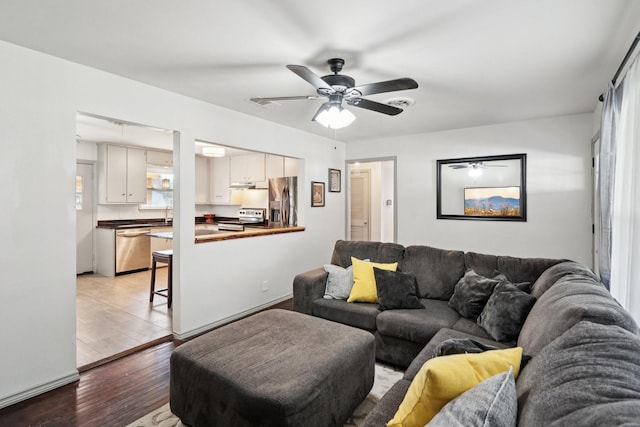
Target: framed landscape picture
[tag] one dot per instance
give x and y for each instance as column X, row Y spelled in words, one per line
column 498, row 202
column 317, row 194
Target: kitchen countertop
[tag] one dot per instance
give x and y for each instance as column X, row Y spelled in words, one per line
column 202, row 236
column 117, row 224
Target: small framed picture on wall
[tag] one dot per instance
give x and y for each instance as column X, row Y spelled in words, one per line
column 317, row 194
column 335, row 181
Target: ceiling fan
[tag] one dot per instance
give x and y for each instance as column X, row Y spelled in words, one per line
column 340, row 87
column 475, row 165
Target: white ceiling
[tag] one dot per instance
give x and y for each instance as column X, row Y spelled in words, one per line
column 476, row 62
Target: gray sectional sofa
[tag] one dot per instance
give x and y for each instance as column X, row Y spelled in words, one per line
column 584, row 347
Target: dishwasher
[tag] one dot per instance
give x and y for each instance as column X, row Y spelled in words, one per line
column 133, row 249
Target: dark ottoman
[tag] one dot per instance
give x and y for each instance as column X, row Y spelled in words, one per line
column 275, row 368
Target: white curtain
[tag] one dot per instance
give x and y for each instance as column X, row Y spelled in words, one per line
column 625, row 220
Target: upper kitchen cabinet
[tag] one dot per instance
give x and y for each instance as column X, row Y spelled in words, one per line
column 290, row 166
column 160, row 158
column 247, row 168
column 121, row 174
column 220, row 193
column 203, row 191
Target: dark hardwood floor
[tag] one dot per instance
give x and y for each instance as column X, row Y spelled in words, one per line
column 113, row 394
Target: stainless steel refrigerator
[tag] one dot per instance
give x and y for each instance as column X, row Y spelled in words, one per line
column 283, row 201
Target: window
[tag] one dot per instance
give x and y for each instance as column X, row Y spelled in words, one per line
column 159, row 187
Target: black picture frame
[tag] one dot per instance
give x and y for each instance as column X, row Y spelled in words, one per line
column 317, row 194
column 453, row 176
column 335, row 180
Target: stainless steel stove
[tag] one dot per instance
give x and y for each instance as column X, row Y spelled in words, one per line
column 246, row 216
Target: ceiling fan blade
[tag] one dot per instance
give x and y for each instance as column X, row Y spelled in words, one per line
column 311, row 77
column 259, row 99
column 381, row 87
column 458, row 166
column 374, row 106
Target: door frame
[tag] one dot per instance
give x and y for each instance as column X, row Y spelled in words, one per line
column 348, row 165
column 94, row 208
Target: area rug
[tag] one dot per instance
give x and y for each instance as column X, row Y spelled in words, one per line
column 385, row 378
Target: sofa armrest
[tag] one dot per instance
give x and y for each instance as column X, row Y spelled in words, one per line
column 308, row 287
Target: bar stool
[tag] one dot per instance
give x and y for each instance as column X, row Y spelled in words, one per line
column 165, row 256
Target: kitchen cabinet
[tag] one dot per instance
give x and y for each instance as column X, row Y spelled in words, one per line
column 219, row 181
column 290, row 166
column 160, row 244
column 203, row 191
column 274, row 166
column 247, row 168
column 160, row 158
column 122, row 174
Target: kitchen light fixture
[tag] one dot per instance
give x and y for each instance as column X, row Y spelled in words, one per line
column 333, row 116
column 213, row 151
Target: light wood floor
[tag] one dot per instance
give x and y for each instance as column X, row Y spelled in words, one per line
column 114, row 315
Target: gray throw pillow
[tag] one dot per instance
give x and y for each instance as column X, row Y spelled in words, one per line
column 339, row 282
column 506, row 311
column 471, row 294
column 396, row 289
column 491, row 403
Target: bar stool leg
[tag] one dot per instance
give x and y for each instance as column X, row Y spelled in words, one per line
column 170, row 283
column 153, row 279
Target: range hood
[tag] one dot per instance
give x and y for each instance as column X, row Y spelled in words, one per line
column 242, row 185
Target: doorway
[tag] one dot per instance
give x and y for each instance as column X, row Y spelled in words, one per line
column 371, row 207
column 113, row 314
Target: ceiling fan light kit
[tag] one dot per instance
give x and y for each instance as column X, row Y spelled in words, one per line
column 338, row 87
column 334, row 116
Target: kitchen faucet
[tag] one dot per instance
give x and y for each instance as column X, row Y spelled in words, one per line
column 166, row 214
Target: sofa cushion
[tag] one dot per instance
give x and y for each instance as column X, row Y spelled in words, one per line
column 388, row 405
column 359, row 315
column 506, row 311
column 483, row 264
column 471, row 327
column 515, row 269
column 396, row 289
column 444, row 378
column 573, row 298
column 343, row 250
column 558, row 271
column 364, row 282
column 471, row 294
column 417, row 325
column 590, row 375
column 520, row 270
column 491, row 403
column 339, row 281
column 437, row 270
column 429, row 350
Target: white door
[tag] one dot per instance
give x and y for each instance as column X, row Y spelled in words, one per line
column 84, row 218
column 360, row 194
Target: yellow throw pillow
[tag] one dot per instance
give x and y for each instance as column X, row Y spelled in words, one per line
column 364, row 282
column 444, row 378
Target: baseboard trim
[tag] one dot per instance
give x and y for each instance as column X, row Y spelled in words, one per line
column 206, row 328
column 35, row 391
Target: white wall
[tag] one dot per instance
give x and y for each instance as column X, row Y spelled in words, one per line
column 558, row 187
column 40, row 97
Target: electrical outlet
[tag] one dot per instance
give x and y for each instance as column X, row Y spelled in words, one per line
column 265, row 285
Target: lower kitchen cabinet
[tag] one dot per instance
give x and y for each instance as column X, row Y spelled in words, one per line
column 160, row 244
